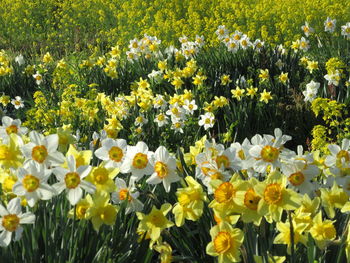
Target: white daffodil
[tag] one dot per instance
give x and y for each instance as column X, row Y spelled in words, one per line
column 221, row 32
column 97, row 137
column 38, row 78
column 339, row 159
column 299, row 176
column 176, row 111
column 161, row 119
column 164, row 169
column 10, row 126
column 345, row 30
column 266, row 152
column 228, row 159
column 137, row 161
column 207, row 120
column 177, row 125
column 329, row 25
column 71, row 179
column 32, row 183
column 307, row 29
column 17, row 102
column 20, row 60
column 112, row 151
column 43, row 150
column 129, row 194
column 11, row 220
column 190, row 106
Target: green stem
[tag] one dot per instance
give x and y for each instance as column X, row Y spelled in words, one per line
column 291, row 237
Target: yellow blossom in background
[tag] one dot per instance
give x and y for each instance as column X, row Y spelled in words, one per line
column 4, row 100
column 47, row 58
column 225, row 80
column 237, row 93
column 155, row 222
column 264, row 74
column 312, row 65
column 283, row 78
column 265, row 96
column 251, row 91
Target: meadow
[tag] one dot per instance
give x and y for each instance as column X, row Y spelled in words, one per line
column 174, row 131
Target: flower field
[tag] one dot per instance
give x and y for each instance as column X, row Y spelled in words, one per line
column 167, row 131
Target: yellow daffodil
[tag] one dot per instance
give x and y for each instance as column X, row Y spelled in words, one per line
column 225, row 243
column 155, row 222
column 275, row 197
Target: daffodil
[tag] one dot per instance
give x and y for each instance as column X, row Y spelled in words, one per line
column 249, row 200
column 275, row 197
column 137, row 161
column 128, row 194
column 265, row 96
column 190, row 202
column 284, row 237
column 164, row 168
column 71, row 179
column 101, row 211
column 333, row 198
column 81, row 208
column 32, row 183
column 155, row 222
column 81, row 157
column 112, row 152
column 11, row 220
column 322, row 231
column 43, row 150
column 226, row 243
column 10, row 126
column 10, row 154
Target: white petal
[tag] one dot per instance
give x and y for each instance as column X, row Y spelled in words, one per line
column 255, row 151
column 46, row 192
column 18, row 233
column 71, row 163
column 154, row 179
column 161, row 154
column 36, row 138
column 3, row 211
column 166, row 185
column 84, row 171
column 334, row 149
column 60, row 173
column 74, row 195
column 5, row 238
column 27, row 218
column 18, row 189
column 52, row 142
column 142, row 147
column 102, row 154
column 88, row 187
column 6, row 121
column 59, row 187
column 126, row 166
column 345, row 144
column 27, row 150
column 56, row 158
column 14, row 206
column 120, row 183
